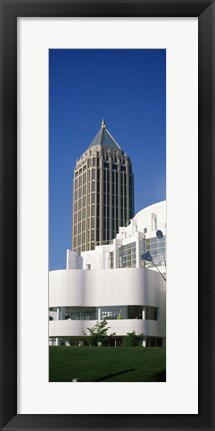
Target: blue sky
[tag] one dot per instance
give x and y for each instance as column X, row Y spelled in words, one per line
column 128, row 89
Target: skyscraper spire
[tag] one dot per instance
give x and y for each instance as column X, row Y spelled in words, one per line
column 104, row 138
column 103, row 125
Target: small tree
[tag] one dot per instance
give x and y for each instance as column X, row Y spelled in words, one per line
column 98, row 333
column 132, row 339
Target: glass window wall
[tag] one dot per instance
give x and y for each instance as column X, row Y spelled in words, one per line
column 106, row 313
column 127, row 255
column 157, row 249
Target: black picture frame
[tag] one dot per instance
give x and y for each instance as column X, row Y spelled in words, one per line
column 10, row 11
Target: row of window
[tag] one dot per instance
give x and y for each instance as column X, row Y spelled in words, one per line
column 81, row 225
column 81, row 175
column 81, row 214
column 127, row 254
column 80, row 171
column 144, row 312
column 79, row 239
column 81, row 194
column 81, row 191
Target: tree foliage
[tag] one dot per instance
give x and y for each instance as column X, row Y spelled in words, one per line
column 132, row 339
column 98, row 333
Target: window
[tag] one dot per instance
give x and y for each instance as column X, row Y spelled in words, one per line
column 151, row 313
column 154, row 221
column 157, row 249
column 97, row 222
column 127, row 255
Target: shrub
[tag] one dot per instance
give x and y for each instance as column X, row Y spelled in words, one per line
column 132, row 339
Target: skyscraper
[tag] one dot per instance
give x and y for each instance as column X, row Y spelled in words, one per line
column 103, row 192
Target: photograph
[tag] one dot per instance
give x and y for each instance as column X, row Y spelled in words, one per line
column 107, row 163
column 107, row 215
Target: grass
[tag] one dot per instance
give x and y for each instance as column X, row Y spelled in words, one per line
column 107, row 364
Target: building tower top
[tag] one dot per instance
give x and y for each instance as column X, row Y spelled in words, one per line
column 103, row 125
column 104, row 138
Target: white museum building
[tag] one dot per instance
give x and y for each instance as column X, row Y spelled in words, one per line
column 113, row 282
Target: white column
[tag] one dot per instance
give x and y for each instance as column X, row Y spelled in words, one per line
column 116, row 256
column 107, row 260
column 138, row 250
column 143, row 314
column 99, row 313
column 68, row 263
column 58, row 313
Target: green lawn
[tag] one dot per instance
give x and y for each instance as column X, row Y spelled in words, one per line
column 107, row 364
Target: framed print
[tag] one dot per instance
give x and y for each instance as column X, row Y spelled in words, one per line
column 31, row 33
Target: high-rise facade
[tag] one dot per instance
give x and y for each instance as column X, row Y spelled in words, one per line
column 103, row 192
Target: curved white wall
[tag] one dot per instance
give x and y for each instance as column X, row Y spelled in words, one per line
column 127, row 286
column 74, row 328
